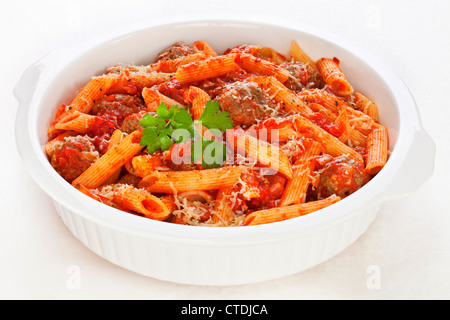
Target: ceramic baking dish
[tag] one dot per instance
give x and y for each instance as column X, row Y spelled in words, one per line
column 218, row 256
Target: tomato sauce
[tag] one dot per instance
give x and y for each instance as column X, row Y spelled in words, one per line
column 73, row 158
column 335, row 129
column 116, row 107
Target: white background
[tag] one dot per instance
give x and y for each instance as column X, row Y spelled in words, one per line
column 409, row 241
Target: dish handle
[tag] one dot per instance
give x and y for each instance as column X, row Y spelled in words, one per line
column 25, row 87
column 418, row 168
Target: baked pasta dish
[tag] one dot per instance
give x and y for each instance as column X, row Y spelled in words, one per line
column 243, row 137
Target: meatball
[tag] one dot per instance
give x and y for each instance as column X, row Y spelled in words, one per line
column 301, row 77
column 74, row 156
column 177, row 50
column 131, row 123
column 339, row 176
column 117, row 107
column 246, row 103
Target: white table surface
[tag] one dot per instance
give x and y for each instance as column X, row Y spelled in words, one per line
column 408, row 243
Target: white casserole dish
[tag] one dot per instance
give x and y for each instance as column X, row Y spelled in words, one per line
column 218, row 256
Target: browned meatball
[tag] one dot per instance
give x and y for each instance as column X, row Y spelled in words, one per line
column 340, row 176
column 301, row 77
column 246, row 103
column 177, row 50
column 73, row 156
column 131, row 123
column 117, row 107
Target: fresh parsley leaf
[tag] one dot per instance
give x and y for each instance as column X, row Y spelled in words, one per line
column 150, row 138
column 183, row 117
column 150, row 121
column 166, row 142
column 211, row 119
column 160, row 132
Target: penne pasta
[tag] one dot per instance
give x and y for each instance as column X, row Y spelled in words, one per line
column 223, row 210
column 198, row 99
column 146, row 164
column 76, row 121
column 139, row 80
column 296, row 188
column 298, row 54
column 205, row 47
column 271, row 55
column 367, row 106
column 264, row 153
column 377, row 149
column 342, row 122
column 115, row 139
column 333, row 76
column 129, row 198
column 331, row 144
column 288, row 100
column 174, row 182
column 287, row 212
column 260, row 66
column 148, row 79
column 110, row 162
column 208, row 68
column 358, row 120
column 153, row 98
column 95, row 89
column 170, row 66
column 50, row 146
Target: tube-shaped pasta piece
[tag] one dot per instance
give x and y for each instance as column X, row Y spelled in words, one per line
column 333, row 76
column 223, row 210
column 264, row 153
column 153, row 99
column 287, row 99
column 170, row 66
column 196, row 196
column 377, row 149
column 358, row 120
column 324, row 112
column 298, row 54
column 205, row 47
column 342, row 122
column 75, row 121
column 331, row 144
column 111, row 161
column 180, row 181
column 208, row 68
column 367, row 106
column 51, row 146
column 129, row 198
column 271, row 55
column 287, row 212
column 321, row 97
column 148, row 79
column 146, row 164
column 295, row 190
column 260, row 66
column 356, row 138
column 116, row 137
column 287, row 132
column 119, row 68
column 198, row 99
column 92, row 92
column 92, row 193
column 139, row 80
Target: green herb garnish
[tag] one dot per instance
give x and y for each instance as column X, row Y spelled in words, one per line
column 160, row 132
